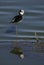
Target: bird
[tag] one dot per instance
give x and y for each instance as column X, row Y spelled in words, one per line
column 18, row 17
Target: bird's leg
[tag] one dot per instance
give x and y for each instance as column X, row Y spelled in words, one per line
column 37, row 40
column 16, row 35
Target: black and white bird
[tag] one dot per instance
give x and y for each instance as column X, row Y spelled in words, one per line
column 19, row 17
column 16, row 20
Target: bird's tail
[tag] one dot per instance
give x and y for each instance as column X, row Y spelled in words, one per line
column 11, row 21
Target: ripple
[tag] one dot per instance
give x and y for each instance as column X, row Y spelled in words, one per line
column 6, row 7
column 20, row 36
column 25, row 30
column 5, row 13
column 39, row 6
column 34, row 13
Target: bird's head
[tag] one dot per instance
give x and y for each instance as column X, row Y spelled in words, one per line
column 21, row 12
column 22, row 56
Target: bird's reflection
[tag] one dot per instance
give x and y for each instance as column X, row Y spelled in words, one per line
column 18, row 51
column 11, row 29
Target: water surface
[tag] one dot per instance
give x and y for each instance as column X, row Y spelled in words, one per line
column 33, row 21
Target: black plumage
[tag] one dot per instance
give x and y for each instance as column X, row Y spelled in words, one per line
column 17, row 19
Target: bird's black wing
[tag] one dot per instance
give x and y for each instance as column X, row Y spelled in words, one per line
column 13, row 19
column 16, row 19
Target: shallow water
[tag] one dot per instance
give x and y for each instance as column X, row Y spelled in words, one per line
column 33, row 21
